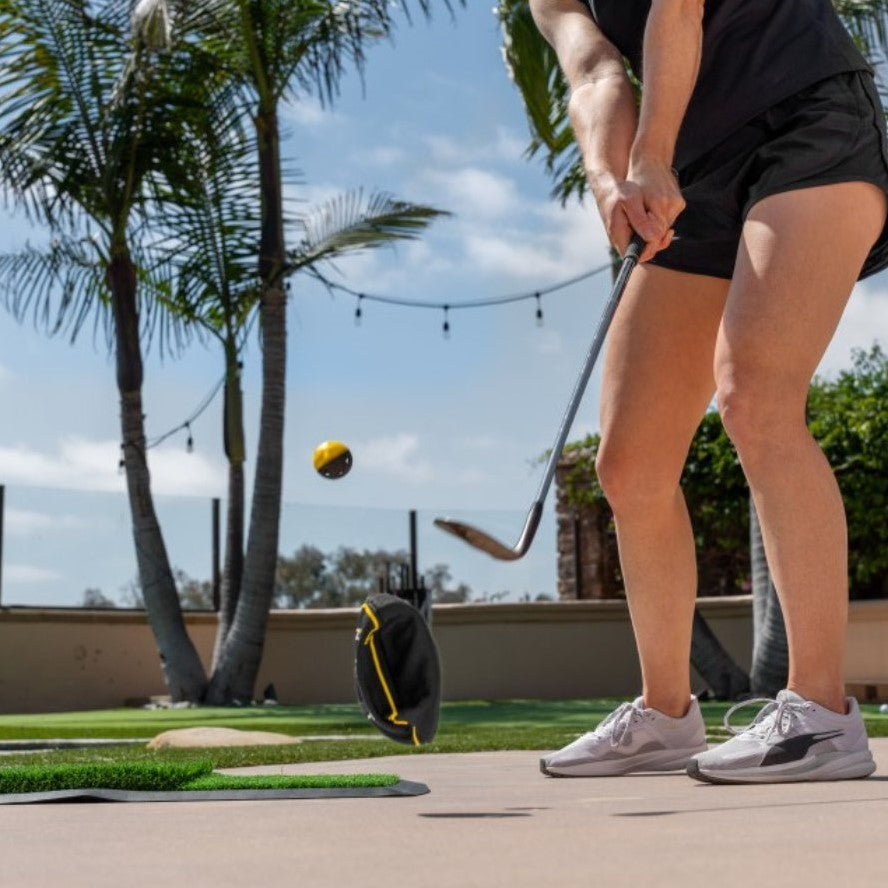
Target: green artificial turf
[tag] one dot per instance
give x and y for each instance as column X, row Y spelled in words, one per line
column 144, row 776
column 291, row 781
column 165, row 776
column 465, row 727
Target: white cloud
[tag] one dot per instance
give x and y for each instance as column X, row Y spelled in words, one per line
column 23, row 523
column 29, row 574
column 470, row 476
column 481, row 443
column 385, row 156
column 506, row 147
column 395, row 456
column 309, row 113
column 471, row 191
column 81, row 464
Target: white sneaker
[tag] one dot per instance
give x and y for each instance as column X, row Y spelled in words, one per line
column 791, row 739
column 631, row 738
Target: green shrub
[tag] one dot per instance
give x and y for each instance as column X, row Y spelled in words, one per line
column 848, row 417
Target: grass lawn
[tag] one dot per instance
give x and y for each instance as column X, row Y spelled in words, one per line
column 465, row 727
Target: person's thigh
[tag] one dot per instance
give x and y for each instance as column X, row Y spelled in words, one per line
column 800, row 254
column 658, row 378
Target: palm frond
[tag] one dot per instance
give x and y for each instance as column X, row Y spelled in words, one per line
column 351, row 223
column 61, row 286
column 58, row 286
column 533, row 67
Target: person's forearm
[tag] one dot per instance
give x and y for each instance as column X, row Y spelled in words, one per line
column 604, row 120
column 673, row 41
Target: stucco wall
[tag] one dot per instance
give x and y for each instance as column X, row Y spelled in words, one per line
column 64, row 660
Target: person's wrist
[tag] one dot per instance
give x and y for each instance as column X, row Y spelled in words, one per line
column 600, row 178
column 640, row 157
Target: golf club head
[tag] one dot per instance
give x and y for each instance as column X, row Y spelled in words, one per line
column 478, row 538
column 493, row 547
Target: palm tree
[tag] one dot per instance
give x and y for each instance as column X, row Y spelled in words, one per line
column 770, row 653
column 209, row 253
column 83, row 134
column 272, row 51
column 88, row 121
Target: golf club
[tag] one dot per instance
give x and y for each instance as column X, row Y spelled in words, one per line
column 483, row 541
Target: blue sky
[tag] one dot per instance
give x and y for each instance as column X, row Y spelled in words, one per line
column 445, row 426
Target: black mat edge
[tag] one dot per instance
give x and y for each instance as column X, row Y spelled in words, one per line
column 402, row 788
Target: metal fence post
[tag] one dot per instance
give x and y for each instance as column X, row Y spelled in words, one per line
column 217, row 573
column 413, row 573
column 578, row 558
column 2, row 499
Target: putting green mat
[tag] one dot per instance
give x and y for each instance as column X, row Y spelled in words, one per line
column 191, row 782
column 401, row 788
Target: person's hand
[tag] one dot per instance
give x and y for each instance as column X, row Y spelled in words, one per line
column 648, row 201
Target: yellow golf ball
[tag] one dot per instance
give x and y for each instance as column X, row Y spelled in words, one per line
column 332, row 459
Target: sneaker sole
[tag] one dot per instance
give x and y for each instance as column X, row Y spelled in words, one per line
column 828, row 766
column 666, row 760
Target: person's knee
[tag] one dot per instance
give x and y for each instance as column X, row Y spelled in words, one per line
column 757, row 416
column 632, row 478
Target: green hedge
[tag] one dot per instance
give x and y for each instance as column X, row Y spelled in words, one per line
column 848, row 416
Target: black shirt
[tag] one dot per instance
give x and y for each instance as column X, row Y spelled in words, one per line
column 755, row 53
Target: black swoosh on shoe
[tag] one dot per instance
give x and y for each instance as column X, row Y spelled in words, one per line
column 794, row 748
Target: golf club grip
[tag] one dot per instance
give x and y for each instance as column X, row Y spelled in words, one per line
column 630, row 260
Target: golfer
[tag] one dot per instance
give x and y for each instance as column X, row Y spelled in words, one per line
column 756, row 171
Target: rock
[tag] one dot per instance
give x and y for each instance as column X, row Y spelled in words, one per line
column 188, row 737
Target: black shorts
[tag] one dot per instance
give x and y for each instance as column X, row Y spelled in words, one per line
column 831, row 131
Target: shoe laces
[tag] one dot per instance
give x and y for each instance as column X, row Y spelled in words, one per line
column 776, row 715
column 618, row 722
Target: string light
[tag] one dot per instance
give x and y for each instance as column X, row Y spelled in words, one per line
column 183, row 426
column 186, row 424
column 446, row 307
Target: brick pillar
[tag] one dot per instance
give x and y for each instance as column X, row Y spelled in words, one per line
column 597, row 558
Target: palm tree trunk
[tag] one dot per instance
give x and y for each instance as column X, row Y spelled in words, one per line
column 770, row 651
column 726, row 680
column 235, row 451
column 183, row 672
column 238, row 664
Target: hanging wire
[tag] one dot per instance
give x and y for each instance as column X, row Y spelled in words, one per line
column 194, row 416
column 454, row 306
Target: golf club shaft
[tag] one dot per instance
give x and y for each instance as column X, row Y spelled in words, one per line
column 630, row 260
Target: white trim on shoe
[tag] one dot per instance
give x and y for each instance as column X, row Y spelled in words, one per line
column 834, row 765
column 656, row 760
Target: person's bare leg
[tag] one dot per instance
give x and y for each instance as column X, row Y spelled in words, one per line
column 799, row 258
column 657, row 383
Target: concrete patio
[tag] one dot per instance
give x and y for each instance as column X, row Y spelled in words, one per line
column 491, row 819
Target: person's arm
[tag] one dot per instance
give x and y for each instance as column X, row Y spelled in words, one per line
column 602, row 105
column 673, row 41
column 604, row 119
